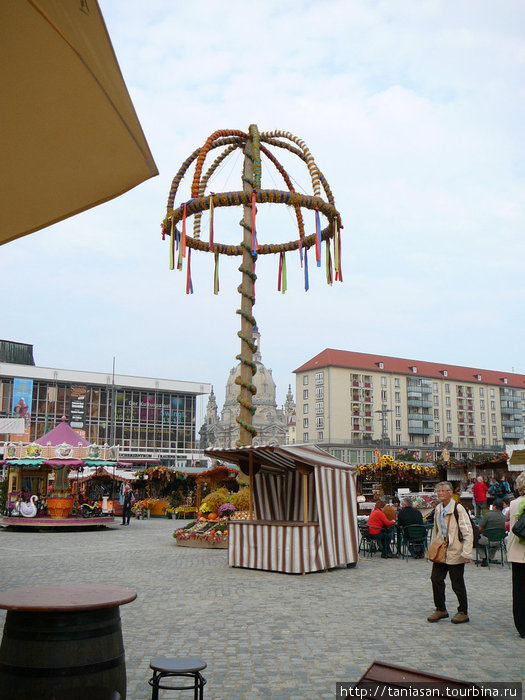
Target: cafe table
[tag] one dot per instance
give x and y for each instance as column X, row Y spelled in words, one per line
column 62, row 638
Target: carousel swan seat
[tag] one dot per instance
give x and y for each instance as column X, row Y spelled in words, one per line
column 27, row 510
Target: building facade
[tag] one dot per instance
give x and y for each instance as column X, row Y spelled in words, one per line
column 148, row 418
column 270, row 421
column 351, row 398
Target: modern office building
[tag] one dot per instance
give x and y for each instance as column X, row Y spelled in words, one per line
column 363, row 401
column 150, row 419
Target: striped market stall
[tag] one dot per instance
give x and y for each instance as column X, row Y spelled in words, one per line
column 303, row 510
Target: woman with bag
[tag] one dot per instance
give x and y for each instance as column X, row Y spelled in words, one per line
column 449, row 550
column 516, row 555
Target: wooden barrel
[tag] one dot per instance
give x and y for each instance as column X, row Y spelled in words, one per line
column 56, row 651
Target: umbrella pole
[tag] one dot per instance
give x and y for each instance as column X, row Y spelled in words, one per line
column 305, row 498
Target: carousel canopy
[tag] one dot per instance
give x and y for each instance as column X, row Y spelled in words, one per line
column 62, row 433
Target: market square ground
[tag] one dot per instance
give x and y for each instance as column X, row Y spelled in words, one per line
column 267, row 635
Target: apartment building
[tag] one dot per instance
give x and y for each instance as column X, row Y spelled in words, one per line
column 361, row 399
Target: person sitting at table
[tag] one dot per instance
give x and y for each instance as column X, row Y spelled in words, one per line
column 411, row 516
column 390, row 510
column 493, row 519
column 380, row 529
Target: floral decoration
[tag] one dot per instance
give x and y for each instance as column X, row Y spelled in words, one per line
column 226, row 509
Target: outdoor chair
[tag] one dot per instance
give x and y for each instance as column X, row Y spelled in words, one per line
column 413, row 535
column 367, row 544
column 496, row 540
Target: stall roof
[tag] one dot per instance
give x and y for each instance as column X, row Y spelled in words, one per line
column 279, row 459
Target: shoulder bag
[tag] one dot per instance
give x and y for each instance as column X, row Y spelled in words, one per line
column 437, row 551
column 519, row 526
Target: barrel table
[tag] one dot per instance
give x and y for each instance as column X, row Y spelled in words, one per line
column 59, row 638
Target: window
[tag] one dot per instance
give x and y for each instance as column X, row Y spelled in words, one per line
column 319, row 377
column 483, row 429
column 398, row 425
column 319, row 392
column 305, row 422
column 482, row 404
column 383, row 395
column 383, row 381
column 305, row 437
column 436, row 400
column 436, row 427
column 398, row 439
column 445, row 373
column 319, row 422
column 492, row 417
column 481, row 391
column 320, row 437
column 305, row 393
column 398, row 396
column 305, row 408
column 398, row 410
column 414, row 369
column 319, row 406
column 483, row 441
column 396, row 383
column 435, row 387
column 447, row 400
column 448, row 415
column 447, row 388
column 436, row 413
column 492, row 393
column 305, row 380
column 482, row 417
column 492, row 405
column 449, row 427
column 494, row 430
column 381, row 366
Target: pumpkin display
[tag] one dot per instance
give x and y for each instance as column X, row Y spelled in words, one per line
column 212, row 516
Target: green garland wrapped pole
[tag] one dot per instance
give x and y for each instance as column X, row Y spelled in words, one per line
column 252, row 144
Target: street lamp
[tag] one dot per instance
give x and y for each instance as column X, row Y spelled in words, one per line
column 384, row 430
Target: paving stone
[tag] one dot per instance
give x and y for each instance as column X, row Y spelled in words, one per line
column 266, row 635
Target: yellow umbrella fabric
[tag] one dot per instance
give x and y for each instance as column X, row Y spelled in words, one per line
column 70, row 136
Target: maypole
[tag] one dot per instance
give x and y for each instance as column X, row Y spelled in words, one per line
column 253, row 145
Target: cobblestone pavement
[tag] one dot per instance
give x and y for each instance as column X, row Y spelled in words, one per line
column 267, row 635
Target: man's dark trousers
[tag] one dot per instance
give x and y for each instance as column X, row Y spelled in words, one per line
column 456, row 573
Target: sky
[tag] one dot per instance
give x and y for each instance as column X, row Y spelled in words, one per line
column 414, row 111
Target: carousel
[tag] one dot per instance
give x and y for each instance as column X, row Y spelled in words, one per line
column 43, row 491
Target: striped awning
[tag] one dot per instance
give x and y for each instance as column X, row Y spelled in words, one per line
column 280, row 459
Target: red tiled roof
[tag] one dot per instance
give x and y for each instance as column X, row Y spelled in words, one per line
column 399, row 365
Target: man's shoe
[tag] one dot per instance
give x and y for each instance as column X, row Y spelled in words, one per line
column 437, row 615
column 459, row 618
column 483, row 562
column 384, row 556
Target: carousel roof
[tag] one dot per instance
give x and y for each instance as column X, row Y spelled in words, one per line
column 62, row 433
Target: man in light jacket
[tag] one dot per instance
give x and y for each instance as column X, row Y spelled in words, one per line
column 459, row 534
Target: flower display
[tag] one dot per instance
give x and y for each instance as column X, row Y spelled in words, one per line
column 226, row 509
column 387, row 463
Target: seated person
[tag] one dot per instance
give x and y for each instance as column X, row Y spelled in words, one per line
column 380, row 528
column 493, row 519
column 411, row 516
column 390, row 510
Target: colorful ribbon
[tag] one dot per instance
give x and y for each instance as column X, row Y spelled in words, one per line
column 216, row 274
column 189, row 284
column 282, row 282
column 183, row 236
column 329, row 273
column 306, row 283
column 317, row 238
column 211, row 222
column 172, row 246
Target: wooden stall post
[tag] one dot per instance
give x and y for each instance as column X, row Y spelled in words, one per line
column 304, row 472
column 250, row 462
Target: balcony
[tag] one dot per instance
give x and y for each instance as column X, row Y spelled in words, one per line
column 368, row 414
column 368, row 399
column 419, row 402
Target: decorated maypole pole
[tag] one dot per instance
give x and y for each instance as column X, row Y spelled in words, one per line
column 253, row 145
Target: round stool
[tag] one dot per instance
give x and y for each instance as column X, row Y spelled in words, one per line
column 184, row 667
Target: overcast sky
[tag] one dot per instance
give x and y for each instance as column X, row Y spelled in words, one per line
column 413, row 110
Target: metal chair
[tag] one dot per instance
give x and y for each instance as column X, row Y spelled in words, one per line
column 367, row 544
column 496, row 540
column 413, row 535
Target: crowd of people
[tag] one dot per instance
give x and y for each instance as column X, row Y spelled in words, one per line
column 459, row 531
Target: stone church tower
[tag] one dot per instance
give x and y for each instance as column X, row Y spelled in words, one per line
column 271, row 422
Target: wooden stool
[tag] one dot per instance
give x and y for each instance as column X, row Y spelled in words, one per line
column 169, row 666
